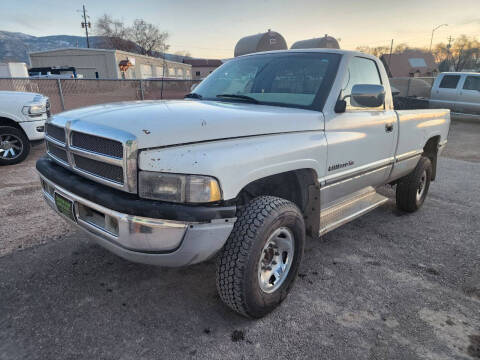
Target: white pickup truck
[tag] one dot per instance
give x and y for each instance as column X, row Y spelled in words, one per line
column 269, row 148
column 22, row 120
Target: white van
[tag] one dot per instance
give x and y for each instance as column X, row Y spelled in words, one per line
column 459, row 92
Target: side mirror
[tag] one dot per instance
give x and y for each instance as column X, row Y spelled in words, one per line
column 395, row 91
column 367, row 95
column 340, row 106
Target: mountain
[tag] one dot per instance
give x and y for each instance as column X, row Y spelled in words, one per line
column 15, row 46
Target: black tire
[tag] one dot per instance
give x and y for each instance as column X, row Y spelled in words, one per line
column 238, row 282
column 408, row 194
column 22, row 145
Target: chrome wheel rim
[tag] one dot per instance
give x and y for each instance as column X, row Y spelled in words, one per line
column 276, row 259
column 10, row 146
column 422, row 185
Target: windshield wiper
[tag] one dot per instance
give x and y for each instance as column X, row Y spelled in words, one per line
column 193, row 96
column 237, row 96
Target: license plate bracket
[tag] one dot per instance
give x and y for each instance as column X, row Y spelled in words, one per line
column 64, row 206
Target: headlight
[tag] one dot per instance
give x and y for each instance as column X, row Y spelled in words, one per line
column 178, row 188
column 35, row 110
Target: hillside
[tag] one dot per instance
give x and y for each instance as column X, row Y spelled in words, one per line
column 14, row 46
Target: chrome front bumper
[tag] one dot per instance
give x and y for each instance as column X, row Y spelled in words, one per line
column 141, row 239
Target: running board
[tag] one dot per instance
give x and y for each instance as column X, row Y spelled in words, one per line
column 346, row 210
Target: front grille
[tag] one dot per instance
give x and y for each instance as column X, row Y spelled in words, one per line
column 56, row 132
column 98, row 168
column 97, row 144
column 97, row 157
column 58, row 152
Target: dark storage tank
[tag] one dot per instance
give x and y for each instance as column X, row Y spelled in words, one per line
column 323, row 42
column 271, row 40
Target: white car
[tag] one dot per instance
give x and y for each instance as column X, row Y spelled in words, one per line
column 269, row 148
column 457, row 91
column 22, row 120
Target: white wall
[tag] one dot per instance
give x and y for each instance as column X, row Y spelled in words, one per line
column 15, row 70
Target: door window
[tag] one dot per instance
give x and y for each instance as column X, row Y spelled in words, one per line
column 360, row 71
column 472, row 83
column 449, row 81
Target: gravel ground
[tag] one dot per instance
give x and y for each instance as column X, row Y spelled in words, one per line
column 387, row 286
column 20, row 198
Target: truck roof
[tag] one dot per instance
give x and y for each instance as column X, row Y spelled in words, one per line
column 319, row 50
column 459, row 73
column 17, row 93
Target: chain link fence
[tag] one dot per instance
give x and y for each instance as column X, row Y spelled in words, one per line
column 67, row 94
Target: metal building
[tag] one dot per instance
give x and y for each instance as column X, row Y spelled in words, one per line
column 110, row 64
column 270, row 40
column 201, row 68
column 321, row 42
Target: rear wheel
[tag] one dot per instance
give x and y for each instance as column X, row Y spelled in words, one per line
column 14, row 145
column 413, row 188
column 260, row 260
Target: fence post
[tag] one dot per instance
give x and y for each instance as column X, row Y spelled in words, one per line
column 142, row 94
column 60, row 92
column 408, row 86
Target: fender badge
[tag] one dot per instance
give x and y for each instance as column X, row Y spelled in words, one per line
column 340, row 166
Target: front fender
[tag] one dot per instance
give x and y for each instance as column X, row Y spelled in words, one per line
column 238, row 162
column 15, row 117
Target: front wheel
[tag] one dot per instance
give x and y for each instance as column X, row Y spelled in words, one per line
column 260, row 260
column 14, row 145
column 413, row 188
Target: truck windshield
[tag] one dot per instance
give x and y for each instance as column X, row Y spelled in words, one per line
column 285, row 79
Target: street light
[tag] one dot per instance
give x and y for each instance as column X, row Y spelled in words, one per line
column 431, row 39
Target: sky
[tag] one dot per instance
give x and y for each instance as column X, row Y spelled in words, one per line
column 211, row 28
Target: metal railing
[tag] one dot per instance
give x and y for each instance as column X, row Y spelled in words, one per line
column 67, row 94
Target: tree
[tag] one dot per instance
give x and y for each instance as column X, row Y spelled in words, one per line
column 149, row 37
column 114, row 33
column 376, row 51
column 463, row 54
column 141, row 38
column 385, row 50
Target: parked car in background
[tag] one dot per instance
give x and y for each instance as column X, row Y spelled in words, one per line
column 459, row 92
column 22, row 120
column 269, row 148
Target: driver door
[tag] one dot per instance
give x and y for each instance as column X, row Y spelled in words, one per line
column 361, row 141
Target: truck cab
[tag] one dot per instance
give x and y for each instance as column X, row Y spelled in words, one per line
column 457, row 91
column 269, row 149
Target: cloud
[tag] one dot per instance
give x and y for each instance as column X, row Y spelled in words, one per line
column 25, row 22
column 468, row 21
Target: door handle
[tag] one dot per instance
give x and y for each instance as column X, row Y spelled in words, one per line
column 389, row 127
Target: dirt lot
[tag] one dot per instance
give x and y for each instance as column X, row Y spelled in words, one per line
column 386, row 286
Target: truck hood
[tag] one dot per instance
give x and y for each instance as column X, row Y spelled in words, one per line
column 163, row 123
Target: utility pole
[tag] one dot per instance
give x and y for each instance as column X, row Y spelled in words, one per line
column 86, row 24
column 390, row 56
column 449, row 46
